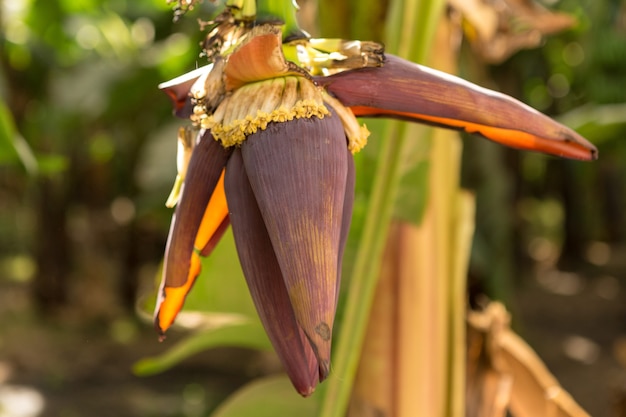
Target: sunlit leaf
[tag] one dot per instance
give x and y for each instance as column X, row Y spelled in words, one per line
column 599, row 123
column 269, row 397
column 236, row 332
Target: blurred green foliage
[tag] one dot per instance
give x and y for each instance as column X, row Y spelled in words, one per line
column 86, row 138
column 577, row 77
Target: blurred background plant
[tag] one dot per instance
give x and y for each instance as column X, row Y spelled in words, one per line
column 79, row 79
column 87, row 158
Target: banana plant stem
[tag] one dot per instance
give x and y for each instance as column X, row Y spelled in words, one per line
column 284, row 10
column 365, row 274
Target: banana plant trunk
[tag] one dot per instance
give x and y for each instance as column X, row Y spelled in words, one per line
column 413, row 358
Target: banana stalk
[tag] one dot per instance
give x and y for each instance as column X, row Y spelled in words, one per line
column 420, row 297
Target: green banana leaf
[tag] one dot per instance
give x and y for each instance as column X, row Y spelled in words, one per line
column 268, row 397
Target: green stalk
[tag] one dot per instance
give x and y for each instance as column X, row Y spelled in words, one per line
column 411, row 20
column 411, row 27
column 364, row 277
column 462, row 243
column 284, row 10
column 269, row 10
column 243, row 9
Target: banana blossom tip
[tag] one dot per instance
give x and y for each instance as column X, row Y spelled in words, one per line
column 270, row 151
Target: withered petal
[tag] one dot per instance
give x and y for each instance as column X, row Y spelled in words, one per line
column 259, row 57
column 298, row 172
column 265, row 280
column 404, row 90
column 181, row 264
column 178, row 90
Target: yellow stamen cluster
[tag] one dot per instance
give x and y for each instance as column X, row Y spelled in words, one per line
column 253, row 106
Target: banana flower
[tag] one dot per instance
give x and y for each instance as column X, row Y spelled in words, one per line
column 269, row 151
